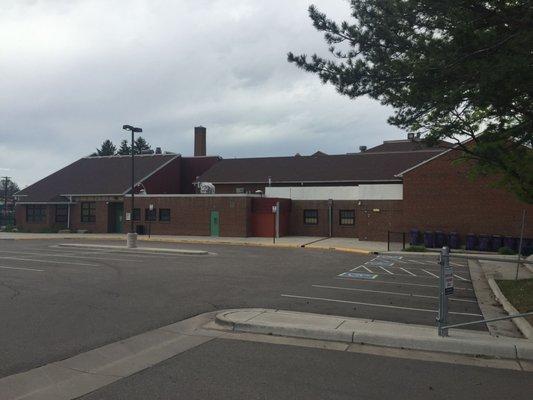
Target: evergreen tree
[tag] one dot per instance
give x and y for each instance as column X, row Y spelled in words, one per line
column 141, row 145
column 107, row 149
column 452, row 70
column 124, row 148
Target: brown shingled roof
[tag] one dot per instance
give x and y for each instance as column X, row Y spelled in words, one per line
column 359, row 167
column 93, row 175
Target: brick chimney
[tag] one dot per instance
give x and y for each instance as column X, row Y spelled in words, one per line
column 199, row 141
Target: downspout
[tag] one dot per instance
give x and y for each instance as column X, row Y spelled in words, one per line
column 68, row 212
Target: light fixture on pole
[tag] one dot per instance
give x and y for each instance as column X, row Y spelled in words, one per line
column 132, row 237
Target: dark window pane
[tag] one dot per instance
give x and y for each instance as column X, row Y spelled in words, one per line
column 150, row 215
column 347, row 217
column 61, row 213
column 164, row 214
column 310, row 217
column 88, row 211
column 136, row 214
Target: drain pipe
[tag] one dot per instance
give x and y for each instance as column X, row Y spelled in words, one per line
column 330, row 216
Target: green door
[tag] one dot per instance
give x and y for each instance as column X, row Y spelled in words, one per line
column 215, row 223
column 119, row 216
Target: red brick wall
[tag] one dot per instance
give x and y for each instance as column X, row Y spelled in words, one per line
column 47, row 224
column 376, row 217
column 191, row 168
column 166, row 180
column 440, row 196
column 99, row 226
column 192, row 215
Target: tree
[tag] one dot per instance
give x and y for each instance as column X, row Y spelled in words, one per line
column 452, row 70
column 107, row 149
column 12, row 187
column 124, row 148
column 141, row 145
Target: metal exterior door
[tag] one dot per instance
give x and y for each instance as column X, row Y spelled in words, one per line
column 215, row 223
column 119, row 217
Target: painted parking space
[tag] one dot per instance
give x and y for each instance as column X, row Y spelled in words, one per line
column 394, row 288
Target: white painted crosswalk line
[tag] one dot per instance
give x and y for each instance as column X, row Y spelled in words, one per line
column 429, row 273
column 409, row 272
column 387, row 271
column 461, row 278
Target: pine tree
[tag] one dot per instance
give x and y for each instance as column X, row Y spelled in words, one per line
column 141, row 145
column 124, row 148
column 107, row 149
column 451, row 70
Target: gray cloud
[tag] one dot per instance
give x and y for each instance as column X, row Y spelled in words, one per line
column 74, row 71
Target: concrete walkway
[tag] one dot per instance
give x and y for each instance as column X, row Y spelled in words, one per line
column 340, row 244
column 372, row 332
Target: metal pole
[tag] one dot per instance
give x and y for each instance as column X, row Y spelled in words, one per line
column 277, row 219
column 443, row 300
column 388, row 240
column 132, row 227
column 403, row 240
column 520, row 245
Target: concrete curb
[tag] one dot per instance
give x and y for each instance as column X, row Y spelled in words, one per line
column 378, row 333
column 521, row 323
column 152, row 249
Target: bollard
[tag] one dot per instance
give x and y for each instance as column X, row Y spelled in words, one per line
column 443, row 299
column 131, row 240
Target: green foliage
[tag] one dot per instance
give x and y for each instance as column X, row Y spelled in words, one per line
column 452, row 70
column 107, row 149
column 416, row 248
column 506, row 250
column 519, row 293
column 141, row 145
column 124, row 148
column 12, row 187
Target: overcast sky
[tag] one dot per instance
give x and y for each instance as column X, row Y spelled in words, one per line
column 73, row 71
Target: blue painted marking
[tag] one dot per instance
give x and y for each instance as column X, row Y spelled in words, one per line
column 357, row 275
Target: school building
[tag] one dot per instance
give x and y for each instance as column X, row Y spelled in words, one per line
column 397, row 186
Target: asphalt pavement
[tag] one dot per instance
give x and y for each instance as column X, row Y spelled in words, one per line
column 56, row 302
column 229, row 369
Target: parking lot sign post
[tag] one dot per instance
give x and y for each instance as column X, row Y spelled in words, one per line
column 445, row 289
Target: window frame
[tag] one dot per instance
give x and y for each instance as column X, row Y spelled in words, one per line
column 88, row 212
column 344, row 218
column 165, row 210
column 64, row 217
column 36, row 217
column 306, row 218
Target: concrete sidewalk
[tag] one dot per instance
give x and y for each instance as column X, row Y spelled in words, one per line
column 372, row 332
column 339, row 244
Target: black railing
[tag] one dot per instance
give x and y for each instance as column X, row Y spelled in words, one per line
column 395, row 237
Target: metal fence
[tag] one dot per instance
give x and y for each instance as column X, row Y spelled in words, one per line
column 396, row 240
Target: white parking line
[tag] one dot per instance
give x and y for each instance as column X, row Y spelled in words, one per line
column 23, row 269
column 461, row 278
column 417, row 262
column 430, row 273
column 396, row 283
column 367, row 269
column 387, row 271
column 377, row 305
column 409, row 272
column 48, row 261
column 391, row 293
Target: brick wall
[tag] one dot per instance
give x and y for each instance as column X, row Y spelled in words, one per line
column 192, row 215
column 376, row 217
column 440, row 196
column 99, row 226
column 47, row 224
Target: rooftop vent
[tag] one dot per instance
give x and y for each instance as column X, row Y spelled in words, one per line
column 158, row 150
column 362, row 149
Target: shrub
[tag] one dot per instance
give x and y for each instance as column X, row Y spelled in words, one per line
column 506, row 250
column 416, row 248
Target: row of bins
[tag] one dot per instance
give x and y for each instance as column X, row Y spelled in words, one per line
column 437, row 239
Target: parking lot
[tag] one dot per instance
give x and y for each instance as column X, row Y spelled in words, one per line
column 59, row 301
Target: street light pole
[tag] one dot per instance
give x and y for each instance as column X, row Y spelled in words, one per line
column 132, row 235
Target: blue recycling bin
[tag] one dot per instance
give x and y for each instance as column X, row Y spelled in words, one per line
column 414, row 237
column 484, row 243
column 453, row 240
column 509, row 242
column 471, row 241
column 496, row 242
column 429, row 239
column 440, row 239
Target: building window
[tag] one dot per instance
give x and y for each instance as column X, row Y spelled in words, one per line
column 310, row 217
column 347, row 217
column 149, row 215
column 61, row 213
column 136, row 214
column 35, row 213
column 88, row 211
column 164, row 214
column 239, row 190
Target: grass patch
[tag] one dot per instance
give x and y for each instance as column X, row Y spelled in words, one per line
column 506, row 251
column 416, row 248
column 519, row 293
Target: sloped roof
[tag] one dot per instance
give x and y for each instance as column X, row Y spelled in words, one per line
column 369, row 166
column 94, row 175
column 407, row 145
